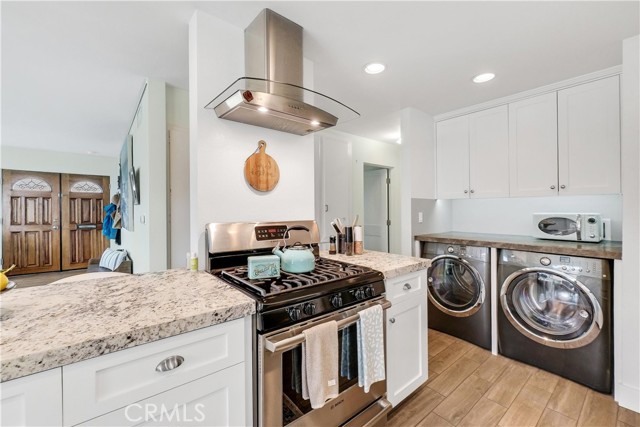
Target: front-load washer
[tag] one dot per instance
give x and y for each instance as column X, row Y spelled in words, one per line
column 556, row 313
column 459, row 289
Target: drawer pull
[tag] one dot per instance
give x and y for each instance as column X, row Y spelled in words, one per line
column 171, row 362
column 392, row 320
column 406, row 287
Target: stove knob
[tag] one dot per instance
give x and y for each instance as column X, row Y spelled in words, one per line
column 360, row 294
column 295, row 313
column 368, row 291
column 336, row 301
column 309, row 309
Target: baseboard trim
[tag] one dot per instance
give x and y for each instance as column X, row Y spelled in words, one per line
column 628, row 397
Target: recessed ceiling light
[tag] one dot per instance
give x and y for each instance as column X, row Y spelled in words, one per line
column 314, row 123
column 481, row 78
column 374, row 68
column 263, row 109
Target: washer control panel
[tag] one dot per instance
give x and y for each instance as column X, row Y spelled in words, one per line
column 574, row 266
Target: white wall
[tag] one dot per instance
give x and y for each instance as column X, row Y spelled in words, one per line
column 219, row 148
column 17, row 158
column 513, row 215
column 627, row 296
column 147, row 243
column 418, row 175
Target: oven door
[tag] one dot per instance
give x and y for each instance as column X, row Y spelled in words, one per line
column 280, row 401
column 559, row 227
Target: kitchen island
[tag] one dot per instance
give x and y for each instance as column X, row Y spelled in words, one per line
column 54, row 325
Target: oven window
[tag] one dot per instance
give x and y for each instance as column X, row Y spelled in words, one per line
column 293, row 404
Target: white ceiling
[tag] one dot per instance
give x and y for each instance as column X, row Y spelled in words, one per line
column 72, row 71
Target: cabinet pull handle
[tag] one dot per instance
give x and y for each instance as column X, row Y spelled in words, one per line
column 392, row 320
column 563, row 186
column 171, row 362
column 473, row 191
column 406, row 287
column 553, row 187
column 466, row 191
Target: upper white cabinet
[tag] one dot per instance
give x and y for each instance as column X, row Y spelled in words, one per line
column 473, row 155
column 533, row 146
column 589, row 138
column 452, row 154
column 567, row 143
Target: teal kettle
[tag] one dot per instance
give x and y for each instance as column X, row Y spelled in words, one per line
column 297, row 258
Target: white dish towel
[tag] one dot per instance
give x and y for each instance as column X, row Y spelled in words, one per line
column 320, row 364
column 370, row 347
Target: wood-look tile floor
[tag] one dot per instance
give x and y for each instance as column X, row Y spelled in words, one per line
column 468, row 386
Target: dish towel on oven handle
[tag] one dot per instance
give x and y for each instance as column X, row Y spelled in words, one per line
column 320, row 364
column 370, row 347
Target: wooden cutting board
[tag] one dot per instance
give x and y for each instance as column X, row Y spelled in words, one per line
column 260, row 169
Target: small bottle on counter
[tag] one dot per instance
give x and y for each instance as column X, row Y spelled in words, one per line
column 194, row 261
column 348, row 238
column 332, row 245
column 358, row 244
column 341, row 244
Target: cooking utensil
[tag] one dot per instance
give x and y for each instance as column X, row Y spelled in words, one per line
column 355, row 221
column 335, row 227
column 339, row 222
column 260, row 169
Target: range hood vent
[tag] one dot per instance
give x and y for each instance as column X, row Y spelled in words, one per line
column 274, row 97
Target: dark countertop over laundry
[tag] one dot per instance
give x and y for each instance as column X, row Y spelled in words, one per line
column 604, row 249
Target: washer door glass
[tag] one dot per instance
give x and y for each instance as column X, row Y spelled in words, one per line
column 550, row 305
column 455, row 287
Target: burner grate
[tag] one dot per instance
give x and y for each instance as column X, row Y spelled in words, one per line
column 325, row 271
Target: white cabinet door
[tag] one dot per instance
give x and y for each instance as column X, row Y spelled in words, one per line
column 406, row 347
column 489, row 153
column 215, row 400
column 533, row 146
column 34, row 400
column 452, row 158
column 589, row 138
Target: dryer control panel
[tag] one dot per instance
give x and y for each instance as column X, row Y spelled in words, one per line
column 573, row 266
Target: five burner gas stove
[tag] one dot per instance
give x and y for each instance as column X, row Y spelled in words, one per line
column 293, row 297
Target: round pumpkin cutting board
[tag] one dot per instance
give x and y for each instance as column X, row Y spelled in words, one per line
column 260, row 170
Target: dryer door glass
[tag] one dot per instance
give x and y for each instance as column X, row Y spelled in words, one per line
column 455, row 287
column 551, row 305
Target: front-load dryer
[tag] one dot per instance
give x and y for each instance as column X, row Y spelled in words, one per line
column 459, row 289
column 556, row 313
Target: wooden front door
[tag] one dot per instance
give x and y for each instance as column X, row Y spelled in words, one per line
column 31, row 221
column 83, row 200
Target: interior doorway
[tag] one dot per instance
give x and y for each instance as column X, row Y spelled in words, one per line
column 51, row 221
column 376, row 208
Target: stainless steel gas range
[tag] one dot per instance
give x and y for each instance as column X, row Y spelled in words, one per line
column 288, row 305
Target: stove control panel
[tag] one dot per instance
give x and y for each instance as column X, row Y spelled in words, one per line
column 270, row 232
column 304, row 310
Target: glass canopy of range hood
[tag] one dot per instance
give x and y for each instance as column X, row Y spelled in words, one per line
column 281, row 106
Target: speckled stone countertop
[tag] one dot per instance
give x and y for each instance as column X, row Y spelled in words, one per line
column 604, row 249
column 391, row 265
column 53, row 325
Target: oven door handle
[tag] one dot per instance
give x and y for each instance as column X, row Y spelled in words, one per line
column 291, row 342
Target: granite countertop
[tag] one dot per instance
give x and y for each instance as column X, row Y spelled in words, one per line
column 49, row 326
column 604, row 249
column 391, row 265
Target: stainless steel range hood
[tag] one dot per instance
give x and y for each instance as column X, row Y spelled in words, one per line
column 273, row 97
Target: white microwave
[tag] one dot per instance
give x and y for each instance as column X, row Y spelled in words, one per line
column 578, row 227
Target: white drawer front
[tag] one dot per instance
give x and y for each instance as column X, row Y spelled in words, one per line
column 96, row 386
column 215, row 400
column 406, row 286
